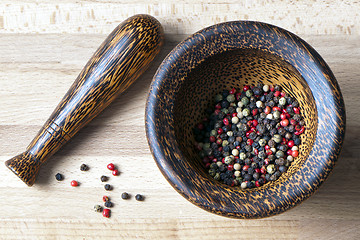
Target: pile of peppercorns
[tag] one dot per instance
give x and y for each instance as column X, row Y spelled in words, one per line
column 250, row 137
column 106, row 212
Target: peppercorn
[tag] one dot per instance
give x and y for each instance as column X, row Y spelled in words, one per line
column 104, row 178
column 125, row 195
column 139, row 197
column 108, row 204
column 106, row 198
column 74, row 183
column 59, row 177
column 97, row 208
column 111, row 166
column 84, row 167
column 108, row 187
column 115, row 172
column 106, row 213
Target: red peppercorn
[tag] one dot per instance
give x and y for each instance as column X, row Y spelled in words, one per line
column 74, row 183
column 289, row 152
column 284, row 122
column 254, row 112
column 266, row 161
column 232, row 91
column 284, row 111
column 220, row 149
column 263, row 170
column 290, row 143
column 200, row 126
column 220, row 131
column 207, row 165
column 295, row 153
column 256, row 151
column 272, row 89
column 250, row 141
column 287, row 115
column 296, row 110
column 257, row 183
column 234, row 114
column 230, row 167
column 277, row 93
column 245, row 88
column 249, row 123
column 248, row 133
column 105, row 198
column 106, row 213
column 276, row 109
column 282, row 116
column 218, row 106
column 110, row 166
column 255, row 122
column 226, row 121
column 268, row 152
column 214, row 160
column 293, row 122
column 212, row 138
column 282, row 94
column 257, row 170
column 252, row 129
column 115, row 172
column 217, row 111
column 267, row 147
column 245, row 167
column 218, row 141
column 223, row 160
column 267, row 110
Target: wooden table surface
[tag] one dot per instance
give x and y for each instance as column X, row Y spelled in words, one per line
column 43, row 47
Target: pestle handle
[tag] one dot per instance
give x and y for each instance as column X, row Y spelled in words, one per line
column 120, row 60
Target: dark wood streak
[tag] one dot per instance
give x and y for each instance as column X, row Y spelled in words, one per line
column 120, row 60
column 230, row 55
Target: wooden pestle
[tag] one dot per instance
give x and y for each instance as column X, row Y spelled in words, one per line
column 120, row 60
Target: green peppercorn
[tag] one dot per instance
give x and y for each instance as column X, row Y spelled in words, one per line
column 97, row 208
column 217, row 176
column 230, row 98
column 246, row 112
column 218, row 98
column 277, row 138
column 225, row 110
column 229, row 160
column 212, row 172
column 279, row 154
column 225, row 143
column 248, row 93
column 245, row 101
column 282, row 101
column 262, row 142
column 270, row 168
column 213, row 166
column 276, row 115
column 213, row 132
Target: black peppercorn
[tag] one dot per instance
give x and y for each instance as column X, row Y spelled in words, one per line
column 108, row 187
column 59, row 177
column 84, row 167
column 125, row 195
column 139, row 197
column 108, row 204
column 104, row 178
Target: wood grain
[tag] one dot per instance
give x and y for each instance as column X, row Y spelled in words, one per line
column 53, row 210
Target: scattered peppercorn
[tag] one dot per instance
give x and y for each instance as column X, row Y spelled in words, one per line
column 139, row 197
column 106, row 212
column 106, row 198
column 84, row 167
column 108, row 204
column 250, row 137
column 59, row 177
column 74, row 183
column 108, row 187
column 115, row 172
column 104, row 178
column 125, row 195
column 111, row 166
column 97, row 208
